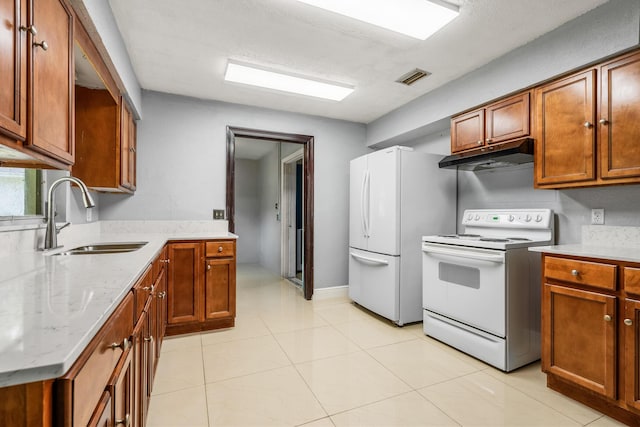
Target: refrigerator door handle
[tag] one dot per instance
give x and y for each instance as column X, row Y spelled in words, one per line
column 370, row 260
column 362, row 204
column 367, row 211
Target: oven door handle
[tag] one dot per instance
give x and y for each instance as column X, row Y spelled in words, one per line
column 370, row 260
column 498, row 258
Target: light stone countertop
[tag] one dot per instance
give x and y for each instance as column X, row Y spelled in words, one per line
column 600, row 241
column 52, row 306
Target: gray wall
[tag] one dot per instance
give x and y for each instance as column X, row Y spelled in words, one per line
column 247, row 210
column 610, row 28
column 269, row 225
column 182, row 168
column 513, row 188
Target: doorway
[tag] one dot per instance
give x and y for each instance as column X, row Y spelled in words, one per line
column 292, row 222
column 306, row 143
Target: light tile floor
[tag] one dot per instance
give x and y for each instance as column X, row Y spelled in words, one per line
column 327, row 362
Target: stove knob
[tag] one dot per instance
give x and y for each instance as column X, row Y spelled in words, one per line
column 527, row 218
column 511, row 218
column 477, row 217
column 470, row 217
column 538, row 218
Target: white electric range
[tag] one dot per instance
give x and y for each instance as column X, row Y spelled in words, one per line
column 481, row 288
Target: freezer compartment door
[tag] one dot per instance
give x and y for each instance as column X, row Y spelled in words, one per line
column 383, row 190
column 374, row 282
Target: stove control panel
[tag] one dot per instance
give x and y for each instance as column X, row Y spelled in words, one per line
column 512, row 218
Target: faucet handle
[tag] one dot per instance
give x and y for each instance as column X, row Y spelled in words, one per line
column 60, row 228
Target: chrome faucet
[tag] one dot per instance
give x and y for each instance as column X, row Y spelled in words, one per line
column 51, row 235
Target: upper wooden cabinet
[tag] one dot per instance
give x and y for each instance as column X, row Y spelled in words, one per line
column 36, row 75
column 105, row 127
column 495, row 123
column 587, row 136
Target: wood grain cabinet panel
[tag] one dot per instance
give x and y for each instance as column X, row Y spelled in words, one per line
column 51, row 72
column 122, row 389
column 102, row 417
column 184, row 286
column 619, row 121
column 594, row 274
column 220, row 290
column 13, row 69
column 631, row 277
column 579, row 338
column 467, row 131
column 564, row 132
column 632, row 353
column 508, row 119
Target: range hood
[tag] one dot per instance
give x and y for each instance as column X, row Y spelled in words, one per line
column 492, row 157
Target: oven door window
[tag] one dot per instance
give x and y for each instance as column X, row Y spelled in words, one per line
column 467, row 285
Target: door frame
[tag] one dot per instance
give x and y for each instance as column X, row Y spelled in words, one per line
column 287, row 198
column 307, row 204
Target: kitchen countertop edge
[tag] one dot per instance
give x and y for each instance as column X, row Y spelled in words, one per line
column 627, row 254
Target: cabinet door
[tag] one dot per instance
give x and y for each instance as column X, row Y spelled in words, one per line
column 51, row 72
column 632, row 352
column 160, row 310
column 508, row 119
column 220, row 289
column 102, row 416
column 13, row 69
column 619, row 124
column 579, row 337
column 467, row 131
column 133, row 153
column 565, row 137
column 150, row 340
column 125, row 145
column 122, row 390
column 140, row 369
column 357, row 202
column 184, row 286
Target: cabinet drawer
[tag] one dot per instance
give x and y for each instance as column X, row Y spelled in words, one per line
column 581, row 272
column 219, row 249
column 83, row 386
column 631, row 279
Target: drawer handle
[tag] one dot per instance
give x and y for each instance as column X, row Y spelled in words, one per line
column 124, row 345
column 148, row 339
column 162, row 294
column 628, row 322
column 607, row 318
column 126, row 422
column 148, row 288
column 603, row 121
column 219, row 248
column 164, row 261
column 575, row 273
column 588, row 125
column 31, row 29
column 42, row 45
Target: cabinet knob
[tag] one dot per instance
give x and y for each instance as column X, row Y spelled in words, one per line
column 480, row 142
column 43, row 45
column 628, row 322
column 575, row 273
column 607, row 318
column 588, row 125
column 219, row 248
column 488, row 140
column 125, row 344
column 208, row 266
column 148, row 339
column 31, row 29
column 162, row 294
column 164, row 261
column 603, row 121
column 126, row 422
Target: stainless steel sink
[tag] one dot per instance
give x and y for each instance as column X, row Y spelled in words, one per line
column 104, row 248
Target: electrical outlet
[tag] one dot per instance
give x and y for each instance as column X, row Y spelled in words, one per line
column 218, row 214
column 597, row 216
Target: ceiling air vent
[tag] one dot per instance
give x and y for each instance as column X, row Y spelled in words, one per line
column 413, row 76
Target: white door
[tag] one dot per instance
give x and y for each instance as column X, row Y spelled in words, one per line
column 466, row 285
column 358, row 203
column 374, row 282
column 383, row 216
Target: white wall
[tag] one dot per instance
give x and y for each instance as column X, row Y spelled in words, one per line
column 610, row 28
column 182, row 168
column 247, row 210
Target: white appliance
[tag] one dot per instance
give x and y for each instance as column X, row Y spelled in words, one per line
column 396, row 195
column 481, row 289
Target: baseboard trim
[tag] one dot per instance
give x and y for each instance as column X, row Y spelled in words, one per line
column 331, row 292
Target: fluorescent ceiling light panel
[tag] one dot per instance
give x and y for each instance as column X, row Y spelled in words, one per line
column 239, row 73
column 415, row 18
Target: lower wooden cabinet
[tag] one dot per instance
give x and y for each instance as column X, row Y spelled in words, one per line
column 103, row 416
column 122, row 388
column 591, row 333
column 201, row 286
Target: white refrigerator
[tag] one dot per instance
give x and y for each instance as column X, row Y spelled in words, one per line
column 397, row 195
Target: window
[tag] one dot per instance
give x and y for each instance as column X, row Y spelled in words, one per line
column 20, row 192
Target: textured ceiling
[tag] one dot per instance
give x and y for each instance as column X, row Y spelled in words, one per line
column 182, row 47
